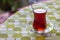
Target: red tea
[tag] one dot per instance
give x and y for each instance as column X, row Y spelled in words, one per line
column 39, row 23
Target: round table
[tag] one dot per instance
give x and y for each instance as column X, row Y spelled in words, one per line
column 17, row 26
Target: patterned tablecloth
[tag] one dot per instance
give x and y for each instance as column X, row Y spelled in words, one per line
column 17, row 27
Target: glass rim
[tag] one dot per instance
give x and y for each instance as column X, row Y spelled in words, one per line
column 40, row 10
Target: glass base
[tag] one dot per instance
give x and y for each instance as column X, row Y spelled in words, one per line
column 44, row 33
column 48, row 29
column 40, row 33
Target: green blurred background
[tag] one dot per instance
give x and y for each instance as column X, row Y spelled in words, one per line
column 13, row 5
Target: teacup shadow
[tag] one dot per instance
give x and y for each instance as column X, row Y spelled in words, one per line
column 36, row 36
